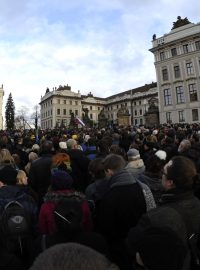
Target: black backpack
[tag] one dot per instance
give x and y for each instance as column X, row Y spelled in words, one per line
column 15, row 226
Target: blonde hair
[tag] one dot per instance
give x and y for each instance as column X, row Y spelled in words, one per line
column 5, row 156
column 21, row 176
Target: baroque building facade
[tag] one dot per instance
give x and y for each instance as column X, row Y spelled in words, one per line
column 177, row 64
column 176, row 93
column 58, row 104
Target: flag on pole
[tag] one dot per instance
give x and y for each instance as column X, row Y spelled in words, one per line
column 79, row 121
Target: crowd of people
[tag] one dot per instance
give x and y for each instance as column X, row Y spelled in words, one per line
column 111, row 198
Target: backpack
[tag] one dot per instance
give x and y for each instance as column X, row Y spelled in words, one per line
column 15, row 226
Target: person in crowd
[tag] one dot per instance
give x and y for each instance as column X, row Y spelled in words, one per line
column 135, row 163
column 184, row 147
column 96, row 190
column 61, row 187
column 69, row 218
column 121, row 207
column 158, row 248
column 6, row 159
column 152, row 175
column 179, row 209
column 79, row 165
column 72, row 256
column 40, row 171
column 31, row 157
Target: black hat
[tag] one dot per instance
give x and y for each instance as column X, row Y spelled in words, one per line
column 8, row 175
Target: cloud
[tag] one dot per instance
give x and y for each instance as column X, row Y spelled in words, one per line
column 93, row 45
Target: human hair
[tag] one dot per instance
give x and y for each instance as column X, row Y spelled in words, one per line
column 72, row 256
column 46, row 147
column 96, row 168
column 21, row 177
column 61, row 161
column 114, row 162
column 5, row 156
column 71, row 143
column 32, row 156
column 182, row 171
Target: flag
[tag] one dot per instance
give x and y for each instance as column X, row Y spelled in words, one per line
column 79, row 121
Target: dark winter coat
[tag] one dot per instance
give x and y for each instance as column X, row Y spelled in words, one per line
column 121, row 207
column 39, row 175
column 179, row 211
column 79, row 165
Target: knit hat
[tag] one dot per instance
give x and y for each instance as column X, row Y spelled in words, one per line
column 8, row 175
column 60, row 180
column 133, row 153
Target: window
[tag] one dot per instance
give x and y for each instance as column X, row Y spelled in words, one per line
column 197, row 45
column 91, row 116
column 76, row 112
column 90, row 107
column 64, row 112
column 70, row 111
column 64, row 101
column 76, row 102
column 58, row 111
column 58, row 101
column 168, row 117
column 177, row 73
column 125, row 104
column 162, row 56
column 193, row 92
column 140, row 102
column 189, row 68
column 117, row 106
column 174, row 52
column 140, row 111
column 99, row 108
column 195, row 115
column 70, row 102
column 141, row 121
column 181, row 116
column 180, row 94
column 167, row 97
column 135, row 112
column 185, row 48
column 136, row 121
column 135, row 103
column 165, row 74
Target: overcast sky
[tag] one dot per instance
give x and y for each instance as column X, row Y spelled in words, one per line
column 100, row 46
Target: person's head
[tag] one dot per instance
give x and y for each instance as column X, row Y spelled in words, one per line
column 32, row 156
column 96, row 168
column 8, row 176
column 72, row 144
column 185, row 145
column 21, row 178
column 160, row 249
column 46, row 147
column 179, row 173
column 72, row 256
column 133, row 154
column 156, row 162
column 61, row 161
column 113, row 164
column 5, row 156
column 60, row 180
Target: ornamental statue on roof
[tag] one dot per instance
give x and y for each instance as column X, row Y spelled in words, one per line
column 180, row 22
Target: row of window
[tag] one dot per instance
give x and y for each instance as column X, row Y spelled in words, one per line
column 186, row 48
column 125, row 104
column 181, row 116
column 140, row 112
column 180, row 97
column 177, row 71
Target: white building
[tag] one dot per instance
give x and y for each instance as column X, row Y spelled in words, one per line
column 177, row 63
column 58, row 104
